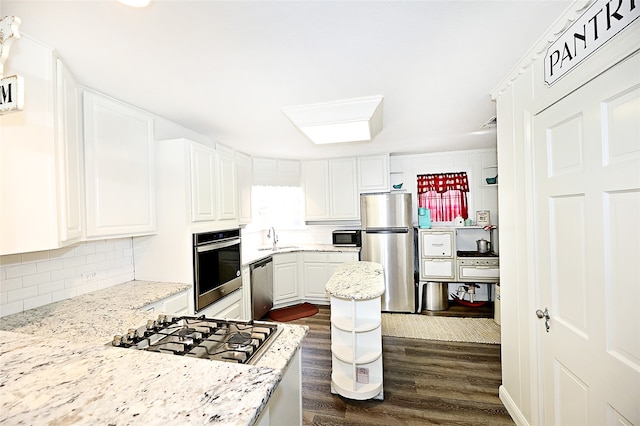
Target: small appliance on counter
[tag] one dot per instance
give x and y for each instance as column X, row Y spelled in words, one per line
column 424, row 217
column 242, row 342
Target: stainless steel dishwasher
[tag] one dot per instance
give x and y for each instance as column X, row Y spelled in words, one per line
column 261, row 288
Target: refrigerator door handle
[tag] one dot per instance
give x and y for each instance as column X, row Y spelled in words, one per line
column 387, row 230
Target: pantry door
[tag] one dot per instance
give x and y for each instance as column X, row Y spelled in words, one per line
column 587, row 205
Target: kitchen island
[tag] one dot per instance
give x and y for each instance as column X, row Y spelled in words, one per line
column 57, row 366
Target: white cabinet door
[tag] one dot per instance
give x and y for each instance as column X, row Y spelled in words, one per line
column 244, row 172
column 315, row 178
column 203, row 183
column 316, row 273
column 70, row 171
column 227, row 186
column 330, row 189
column 318, row 267
column 41, row 164
column 285, row 278
column 373, row 173
column 343, row 192
column 120, row 175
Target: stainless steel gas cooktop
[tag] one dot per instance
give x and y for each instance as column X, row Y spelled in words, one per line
column 241, row 342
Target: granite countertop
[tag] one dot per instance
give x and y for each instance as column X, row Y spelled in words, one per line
column 253, row 255
column 357, row 281
column 57, row 370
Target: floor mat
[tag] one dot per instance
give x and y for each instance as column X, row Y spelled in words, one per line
column 452, row 329
column 291, row 313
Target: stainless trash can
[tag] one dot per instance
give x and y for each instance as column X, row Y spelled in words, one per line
column 436, row 296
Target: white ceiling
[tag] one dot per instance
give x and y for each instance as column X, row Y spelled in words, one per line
column 226, row 68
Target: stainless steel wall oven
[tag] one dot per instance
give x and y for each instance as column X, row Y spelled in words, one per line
column 216, row 266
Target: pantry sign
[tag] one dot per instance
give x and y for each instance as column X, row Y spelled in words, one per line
column 597, row 25
column 12, row 87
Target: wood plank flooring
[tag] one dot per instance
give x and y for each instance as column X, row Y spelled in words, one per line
column 425, row 382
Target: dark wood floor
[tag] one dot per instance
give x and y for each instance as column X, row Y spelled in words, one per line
column 425, row 382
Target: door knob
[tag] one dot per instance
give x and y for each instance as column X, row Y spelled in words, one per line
column 544, row 314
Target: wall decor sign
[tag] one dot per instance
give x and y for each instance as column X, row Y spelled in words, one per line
column 12, row 87
column 596, row 26
column 483, row 217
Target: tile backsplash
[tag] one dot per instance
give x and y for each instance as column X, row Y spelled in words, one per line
column 29, row 280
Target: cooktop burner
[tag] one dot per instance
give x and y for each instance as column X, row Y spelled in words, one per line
column 201, row 337
column 473, row 253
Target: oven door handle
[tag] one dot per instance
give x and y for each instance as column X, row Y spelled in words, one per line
column 215, row 246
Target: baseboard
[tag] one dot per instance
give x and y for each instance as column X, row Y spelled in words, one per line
column 511, row 407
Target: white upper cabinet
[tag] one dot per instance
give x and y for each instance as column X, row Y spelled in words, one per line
column 276, row 172
column 227, row 188
column 120, row 176
column 373, row 173
column 245, row 176
column 41, row 170
column 315, row 183
column 343, row 192
column 203, row 179
column 330, row 189
column 70, row 168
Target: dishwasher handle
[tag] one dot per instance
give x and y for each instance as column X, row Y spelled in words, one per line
column 261, row 263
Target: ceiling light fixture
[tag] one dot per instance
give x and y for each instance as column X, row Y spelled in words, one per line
column 135, row 3
column 348, row 120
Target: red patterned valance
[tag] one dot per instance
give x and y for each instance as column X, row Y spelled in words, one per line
column 443, row 182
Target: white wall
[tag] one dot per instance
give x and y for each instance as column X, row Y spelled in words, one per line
column 29, row 280
column 472, row 162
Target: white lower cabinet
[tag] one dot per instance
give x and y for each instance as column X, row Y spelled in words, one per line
column 356, row 348
column 286, row 271
column 229, row 307
column 177, row 304
column 285, row 404
column 317, row 268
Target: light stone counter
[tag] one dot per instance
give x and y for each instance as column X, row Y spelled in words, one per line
column 357, row 281
column 253, row 255
column 56, row 366
column 93, row 317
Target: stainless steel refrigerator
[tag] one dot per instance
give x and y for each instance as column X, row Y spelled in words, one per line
column 387, row 238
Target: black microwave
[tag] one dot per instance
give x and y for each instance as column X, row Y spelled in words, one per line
column 347, row 238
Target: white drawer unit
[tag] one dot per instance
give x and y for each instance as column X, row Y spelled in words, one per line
column 431, row 269
column 437, row 254
column 478, row 270
column 436, row 243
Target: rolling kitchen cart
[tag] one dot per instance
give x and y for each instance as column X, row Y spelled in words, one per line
column 356, row 330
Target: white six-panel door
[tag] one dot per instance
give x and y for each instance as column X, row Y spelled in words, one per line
column 587, row 185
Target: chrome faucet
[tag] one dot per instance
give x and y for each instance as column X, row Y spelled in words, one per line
column 273, row 236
